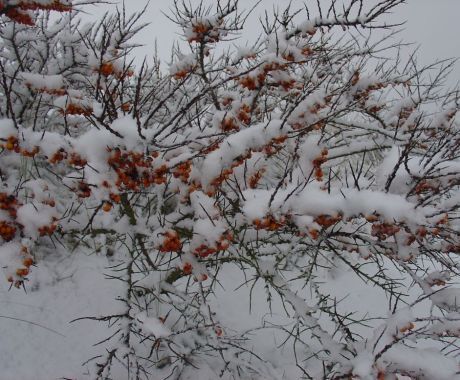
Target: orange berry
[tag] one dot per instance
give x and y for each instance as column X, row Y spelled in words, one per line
column 408, row 327
column 9, row 145
column 371, row 218
column 106, row 69
column 187, row 269
column 107, row 206
column 314, row 233
column 22, row 272
column 27, row 262
column 126, row 106
column 115, row 198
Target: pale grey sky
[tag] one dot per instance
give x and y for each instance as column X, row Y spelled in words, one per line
column 432, row 24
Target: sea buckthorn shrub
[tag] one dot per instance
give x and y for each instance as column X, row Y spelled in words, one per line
column 294, row 161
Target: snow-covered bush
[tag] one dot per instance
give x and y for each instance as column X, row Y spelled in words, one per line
column 304, row 168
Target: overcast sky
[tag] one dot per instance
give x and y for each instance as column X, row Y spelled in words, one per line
column 432, row 24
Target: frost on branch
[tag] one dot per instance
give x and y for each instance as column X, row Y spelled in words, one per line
column 302, row 171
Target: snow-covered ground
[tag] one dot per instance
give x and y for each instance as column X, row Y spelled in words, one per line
column 38, row 340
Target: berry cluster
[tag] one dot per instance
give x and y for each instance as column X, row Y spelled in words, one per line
column 383, row 230
column 19, row 16
column 134, row 170
column 30, row 153
column 226, row 173
column 250, row 83
column 18, row 12
column 425, row 186
column 221, row 244
column 244, row 114
column 182, row 171
column 183, row 73
column 317, row 162
column 171, row 242
column 8, row 203
column 327, row 221
column 17, row 279
column 7, row 230
column 58, row 156
column 203, row 31
column 83, row 190
column 48, row 230
column 11, row 144
column 229, row 124
column 53, row 5
column 77, row 109
column 275, row 145
column 49, row 91
column 270, row 223
column 255, row 178
column 76, row 160
column 108, row 68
